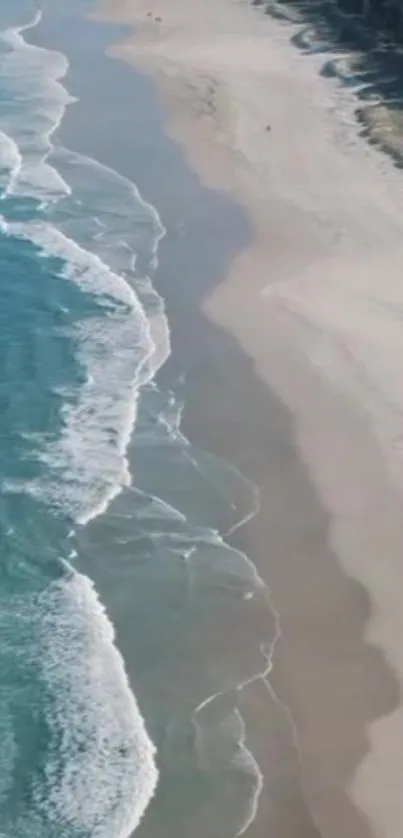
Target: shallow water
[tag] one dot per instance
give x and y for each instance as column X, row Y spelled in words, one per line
column 83, row 335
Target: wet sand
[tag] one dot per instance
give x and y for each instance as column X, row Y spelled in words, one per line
column 276, row 383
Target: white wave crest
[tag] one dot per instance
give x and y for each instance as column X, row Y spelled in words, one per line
column 85, row 268
column 10, row 163
column 92, row 769
column 33, row 75
column 100, row 772
column 87, row 466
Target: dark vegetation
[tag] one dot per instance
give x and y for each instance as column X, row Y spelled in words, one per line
column 369, row 33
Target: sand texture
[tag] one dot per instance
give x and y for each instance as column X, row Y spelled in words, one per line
column 317, row 305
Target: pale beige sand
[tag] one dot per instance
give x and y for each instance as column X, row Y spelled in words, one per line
column 318, row 305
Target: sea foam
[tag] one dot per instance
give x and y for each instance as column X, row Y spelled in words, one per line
column 95, row 772
column 87, row 465
column 10, row 164
column 32, row 76
column 100, row 772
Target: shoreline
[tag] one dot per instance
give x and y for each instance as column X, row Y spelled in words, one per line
column 223, row 426
column 218, row 118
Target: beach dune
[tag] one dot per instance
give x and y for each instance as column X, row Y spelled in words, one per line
column 316, row 304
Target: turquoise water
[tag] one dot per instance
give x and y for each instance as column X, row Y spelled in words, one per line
column 91, row 526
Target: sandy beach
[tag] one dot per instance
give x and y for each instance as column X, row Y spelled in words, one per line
column 316, row 306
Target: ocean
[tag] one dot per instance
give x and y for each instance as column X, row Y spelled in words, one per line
column 120, row 596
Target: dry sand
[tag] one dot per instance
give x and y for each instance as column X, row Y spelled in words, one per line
column 317, row 304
